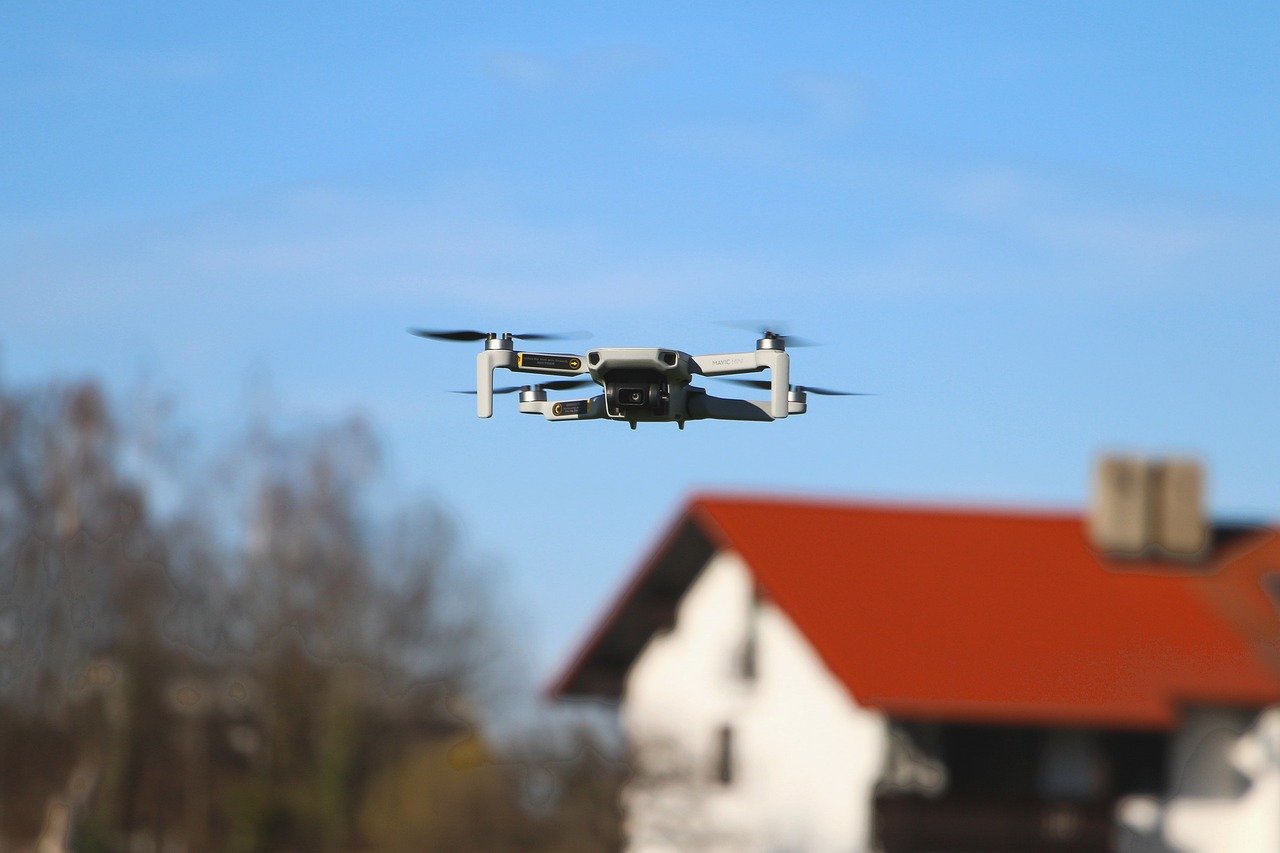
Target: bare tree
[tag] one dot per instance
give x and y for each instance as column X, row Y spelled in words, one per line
column 271, row 655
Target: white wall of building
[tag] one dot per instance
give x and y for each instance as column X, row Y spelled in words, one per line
column 1225, row 791
column 806, row 757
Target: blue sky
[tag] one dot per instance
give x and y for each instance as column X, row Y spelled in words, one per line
column 1035, row 230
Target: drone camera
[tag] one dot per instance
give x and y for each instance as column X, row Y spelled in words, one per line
column 629, row 397
column 627, row 392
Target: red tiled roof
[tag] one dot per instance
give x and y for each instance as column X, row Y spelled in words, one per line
column 994, row 616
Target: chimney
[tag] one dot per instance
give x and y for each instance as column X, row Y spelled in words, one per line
column 1180, row 526
column 1148, row 508
column 1121, row 504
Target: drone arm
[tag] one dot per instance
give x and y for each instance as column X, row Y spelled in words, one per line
column 703, row 406
column 776, row 360
column 518, row 362
column 724, row 364
column 566, row 410
column 547, row 364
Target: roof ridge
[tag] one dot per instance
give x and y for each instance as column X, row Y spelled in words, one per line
column 927, row 506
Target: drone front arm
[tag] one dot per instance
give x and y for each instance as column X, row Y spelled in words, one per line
column 776, row 361
column 547, row 364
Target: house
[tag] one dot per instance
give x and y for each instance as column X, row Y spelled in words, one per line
column 798, row 674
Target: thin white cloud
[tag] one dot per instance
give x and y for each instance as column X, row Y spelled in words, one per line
column 835, row 99
column 1145, row 231
column 521, row 69
column 324, row 246
column 988, row 192
column 1116, row 231
column 591, row 68
column 615, row 61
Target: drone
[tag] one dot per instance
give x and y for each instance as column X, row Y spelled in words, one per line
column 641, row 384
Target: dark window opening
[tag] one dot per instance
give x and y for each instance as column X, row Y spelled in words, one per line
column 724, row 755
column 749, row 661
column 749, row 665
column 1020, row 788
column 1009, row 761
column 1138, row 762
column 991, row 761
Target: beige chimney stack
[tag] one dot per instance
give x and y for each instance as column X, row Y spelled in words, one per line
column 1148, row 508
column 1118, row 516
column 1180, row 528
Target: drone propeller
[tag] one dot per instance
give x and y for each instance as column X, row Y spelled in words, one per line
column 554, row 385
column 770, row 329
column 476, row 335
column 576, row 335
column 765, row 385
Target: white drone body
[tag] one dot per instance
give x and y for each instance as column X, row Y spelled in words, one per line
column 640, row 384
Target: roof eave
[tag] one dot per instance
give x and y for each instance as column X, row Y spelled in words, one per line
column 644, row 604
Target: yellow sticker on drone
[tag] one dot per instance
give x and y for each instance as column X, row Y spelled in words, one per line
column 544, row 361
column 571, row 408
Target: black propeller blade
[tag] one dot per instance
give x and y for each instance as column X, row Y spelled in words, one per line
column 553, row 385
column 770, row 329
column 831, row 392
column 765, row 385
column 476, row 335
column 552, row 336
column 450, row 334
column 565, row 384
column 507, row 389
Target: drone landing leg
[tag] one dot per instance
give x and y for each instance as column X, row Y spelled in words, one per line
column 486, row 362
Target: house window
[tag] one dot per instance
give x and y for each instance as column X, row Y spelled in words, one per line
column 749, row 662
column 724, row 763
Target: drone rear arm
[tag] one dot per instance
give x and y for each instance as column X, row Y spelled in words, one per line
column 775, row 360
column 703, row 406
column 565, row 410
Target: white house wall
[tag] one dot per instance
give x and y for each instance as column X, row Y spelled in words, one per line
column 1225, row 791
column 806, row 756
